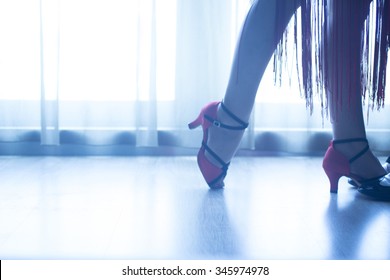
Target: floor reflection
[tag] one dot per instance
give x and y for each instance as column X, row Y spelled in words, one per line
column 216, row 237
column 356, row 228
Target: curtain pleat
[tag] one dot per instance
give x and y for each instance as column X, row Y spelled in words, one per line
column 146, row 116
column 49, row 69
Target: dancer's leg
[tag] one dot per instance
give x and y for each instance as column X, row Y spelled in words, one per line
column 261, row 32
column 345, row 24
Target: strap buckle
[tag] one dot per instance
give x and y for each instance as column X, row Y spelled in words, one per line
column 216, row 123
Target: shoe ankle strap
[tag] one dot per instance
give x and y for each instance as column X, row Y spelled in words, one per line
column 354, row 140
column 242, row 125
column 350, row 140
column 233, row 116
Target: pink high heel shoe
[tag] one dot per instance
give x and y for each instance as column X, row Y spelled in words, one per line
column 213, row 174
column 336, row 165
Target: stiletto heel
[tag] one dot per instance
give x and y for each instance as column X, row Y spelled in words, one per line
column 213, row 174
column 197, row 122
column 336, row 165
column 334, row 178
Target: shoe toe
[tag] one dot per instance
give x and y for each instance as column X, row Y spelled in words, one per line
column 379, row 190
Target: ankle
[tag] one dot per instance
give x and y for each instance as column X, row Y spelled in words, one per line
column 349, row 149
column 229, row 115
column 225, row 137
column 362, row 161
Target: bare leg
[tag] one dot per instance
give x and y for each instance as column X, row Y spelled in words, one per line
column 259, row 38
column 346, row 19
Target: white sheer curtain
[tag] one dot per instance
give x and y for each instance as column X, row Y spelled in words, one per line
column 133, row 73
column 86, row 71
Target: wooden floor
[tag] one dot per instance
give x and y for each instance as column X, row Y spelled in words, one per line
column 160, row 208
